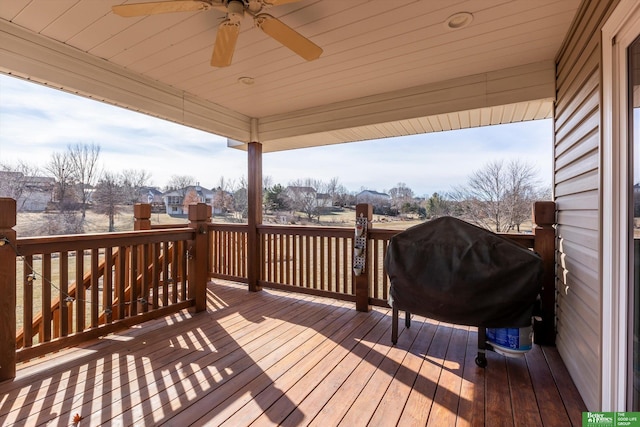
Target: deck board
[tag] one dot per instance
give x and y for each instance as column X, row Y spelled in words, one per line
column 276, row 358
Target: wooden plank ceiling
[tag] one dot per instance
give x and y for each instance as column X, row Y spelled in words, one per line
column 389, row 68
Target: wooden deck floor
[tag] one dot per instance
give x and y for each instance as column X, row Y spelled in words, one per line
column 274, row 358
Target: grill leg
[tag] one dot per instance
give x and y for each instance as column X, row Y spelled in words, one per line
column 394, row 324
column 481, row 358
column 407, row 319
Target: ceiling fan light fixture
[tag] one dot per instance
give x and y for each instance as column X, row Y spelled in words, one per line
column 458, row 20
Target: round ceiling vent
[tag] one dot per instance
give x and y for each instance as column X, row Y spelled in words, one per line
column 459, row 20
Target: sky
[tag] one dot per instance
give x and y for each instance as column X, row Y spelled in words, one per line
column 36, row 121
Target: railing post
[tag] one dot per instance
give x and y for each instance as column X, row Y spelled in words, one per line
column 142, row 216
column 362, row 271
column 254, row 218
column 199, row 220
column 544, row 218
column 142, row 221
column 7, row 289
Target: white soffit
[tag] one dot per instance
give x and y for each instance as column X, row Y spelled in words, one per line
column 503, row 114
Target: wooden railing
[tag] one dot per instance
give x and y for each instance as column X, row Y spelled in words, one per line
column 117, row 276
column 75, row 288
column 313, row 260
column 319, row 260
column 104, row 282
column 228, row 251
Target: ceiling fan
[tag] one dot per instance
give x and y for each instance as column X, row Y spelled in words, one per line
column 229, row 28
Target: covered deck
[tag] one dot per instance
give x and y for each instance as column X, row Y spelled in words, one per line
column 276, row 357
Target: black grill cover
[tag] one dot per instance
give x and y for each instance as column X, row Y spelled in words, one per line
column 453, row 271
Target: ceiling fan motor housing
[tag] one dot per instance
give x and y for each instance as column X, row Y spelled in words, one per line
column 235, row 10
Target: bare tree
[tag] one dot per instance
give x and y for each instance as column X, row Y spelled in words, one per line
column 60, row 167
column 267, row 181
column 84, row 161
column 498, row 196
column 179, row 183
column 303, row 196
column 16, row 182
column 241, row 198
column 109, row 197
column 222, row 198
column 132, row 181
column 402, row 198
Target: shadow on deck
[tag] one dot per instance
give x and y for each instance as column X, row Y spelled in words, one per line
column 279, row 358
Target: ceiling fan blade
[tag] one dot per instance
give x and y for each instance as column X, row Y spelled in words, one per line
column 288, row 37
column 225, row 43
column 156, row 7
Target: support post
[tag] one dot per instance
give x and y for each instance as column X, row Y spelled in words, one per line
column 199, row 219
column 7, row 289
column 142, row 216
column 361, row 270
column 254, row 207
column 544, row 218
column 142, row 221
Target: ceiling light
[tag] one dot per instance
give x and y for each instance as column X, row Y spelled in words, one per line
column 246, row 80
column 458, row 20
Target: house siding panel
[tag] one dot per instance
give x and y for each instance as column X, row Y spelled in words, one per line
column 578, row 194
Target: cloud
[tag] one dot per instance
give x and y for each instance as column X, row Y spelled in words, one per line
column 36, row 121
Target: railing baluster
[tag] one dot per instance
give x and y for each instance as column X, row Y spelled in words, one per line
column 94, row 288
column 269, row 256
column 307, row 244
column 280, row 258
column 121, row 278
column 65, row 307
column 175, row 273
column 46, row 298
column 330, row 262
column 376, row 267
column 346, row 262
column 27, row 296
column 133, row 280
column 165, row 274
column 79, row 292
column 107, row 285
column 155, row 274
column 183, row 267
column 144, row 267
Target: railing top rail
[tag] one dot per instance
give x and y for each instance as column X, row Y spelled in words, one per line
column 228, row 227
column 305, row 230
column 382, row 233
column 50, row 244
column 167, row 226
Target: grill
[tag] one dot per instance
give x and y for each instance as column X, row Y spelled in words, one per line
column 452, row 271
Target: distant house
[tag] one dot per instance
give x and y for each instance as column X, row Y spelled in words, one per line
column 175, row 200
column 153, row 196
column 294, row 191
column 381, row 202
column 307, row 199
column 32, row 193
column 373, row 197
column 324, row 200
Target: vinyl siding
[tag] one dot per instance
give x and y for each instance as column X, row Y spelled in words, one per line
column 578, row 196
